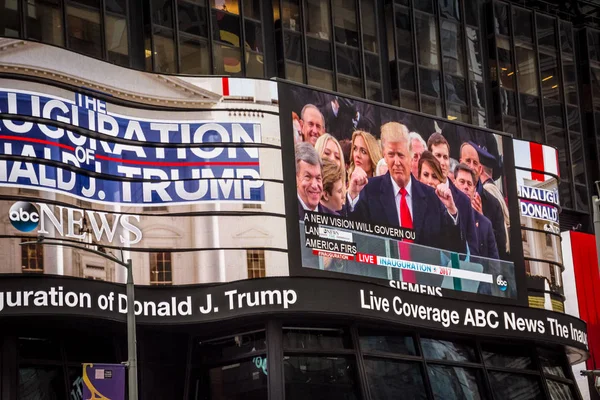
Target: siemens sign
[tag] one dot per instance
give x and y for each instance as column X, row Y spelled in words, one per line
column 69, row 222
column 221, row 162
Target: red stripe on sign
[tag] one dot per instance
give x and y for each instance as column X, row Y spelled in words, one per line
column 225, row 81
column 366, row 258
column 537, row 161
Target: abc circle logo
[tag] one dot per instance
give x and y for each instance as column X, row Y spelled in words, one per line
column 502, row 284
column 24, row 216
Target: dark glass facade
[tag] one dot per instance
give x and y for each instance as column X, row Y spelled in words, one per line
column 303, row 360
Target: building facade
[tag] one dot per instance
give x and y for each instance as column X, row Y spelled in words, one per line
column 107, row 112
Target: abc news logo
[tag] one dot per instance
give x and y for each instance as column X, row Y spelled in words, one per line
column 24, row 216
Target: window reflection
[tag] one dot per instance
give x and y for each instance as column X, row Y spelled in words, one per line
column 164, row 51
column 317, row 19
column 319, row 378
column 117, row 40
column 41, row 382
column 559, row 391
column 454, row 383
column 446, row 350
column 194, row 55
column 227, row 60
column 344, row 20
column 44, row 22
column 306, row 338
column 226, row 27
column 403, row 34
column 426, row 30
column 369, row 25
column 83, row 30
column 506, row 356
column 394, row 380
column 452, row 49
column 515, row 387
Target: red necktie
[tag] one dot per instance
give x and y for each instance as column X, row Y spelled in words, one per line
column 403, row 247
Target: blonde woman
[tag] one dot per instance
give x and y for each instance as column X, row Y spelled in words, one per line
column 328, row 147
column 366, row 153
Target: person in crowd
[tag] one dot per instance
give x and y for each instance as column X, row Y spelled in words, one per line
column 417, row 147
column 297, row 128
column 347, row 151
column 309, row 180
column 439, row 147
column 429, row 171
column 398, row 199
column 366, row 153
column 453, row 164
column 488, row 163
column 382, row 168
column 312, row 123
column 484, row 202
column 465, row 181
column 328, row 147
column 333, row 187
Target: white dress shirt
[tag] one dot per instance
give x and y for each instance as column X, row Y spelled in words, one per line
column 306, row 207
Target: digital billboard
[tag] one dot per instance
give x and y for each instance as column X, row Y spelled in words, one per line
column 423, row 204
column 182, row 175
column 539, row 206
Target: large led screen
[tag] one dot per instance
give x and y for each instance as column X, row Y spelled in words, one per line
column 386, row 195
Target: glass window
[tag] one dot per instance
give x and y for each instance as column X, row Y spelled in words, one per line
column 577, row 158
column 344, row 22
column 38, row 348
column 241, row 380
column 9, row 21
column 395, row 380
column 164, row 51
column 373, row 91
column 430, row 105
column 501, row 18
column 452, row 49
column 230, row 6
column 253, row 32
column 450, row 9
column 505, row 62
column 552, row 363
column 254, row 69
column 532, row 131
column 255, row 260
column 252, row 9
column 546, row 32
column 550, row 77
column 515, row 387
column 430, row 82
column 227, row 60
column 291, row 15
column 581, row 197
column 388, row 343
column 294, row 72
column 426, row 30
column 225, row 348
column 317, row 19
column 478, row 117
column 320, row 378
column 313, row 338
column 522, row 25
column 407, row 77
column 409, row 100
column 160, row 268
column 456, row 90
column 474, row 55
column 559, row 391
column 348, row 61
column 445, row 350
column 32, row 257
column 319, row 53
column 192, row 18
column 78, row 349
column 508, row 102
column 593, row 44
column 117, row 40
column 117, row 6
column 595, row 81
column 566, row 37
column 573, row 120
column 41, row 382
column 195, row 57
column 226, row 27
column 526, row 70
column 457, row 112
column 495, row 355
column 454, row 383
column 404, row 41
column 349, row 85
column 372, row 70
column 83, row 30
column 424, row 5
column 162, row 13
column 553, row 113
column 530, row 107
column 44, row 22
column 472, row 12
column 293, row 46
column 565, row 193
column 477, row 95
column 570, row 80
column 369, row 25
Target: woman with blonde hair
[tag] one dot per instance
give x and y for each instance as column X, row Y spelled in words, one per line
column 328, row 147
column 366, row 153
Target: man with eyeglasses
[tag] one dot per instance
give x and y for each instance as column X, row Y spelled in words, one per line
column 465, row 182
column 483, row 201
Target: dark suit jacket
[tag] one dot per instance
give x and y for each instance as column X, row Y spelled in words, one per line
column 322, row 209
column 432, row 224
column 467, row 219
column 493, row 211
column 487, row 241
